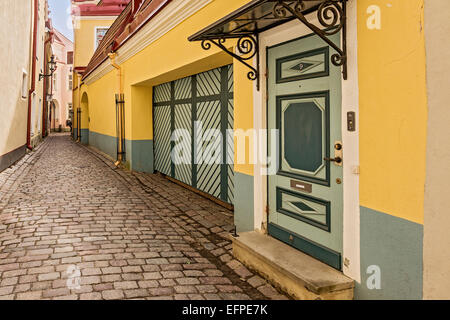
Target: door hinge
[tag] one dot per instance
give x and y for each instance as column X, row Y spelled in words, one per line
column 346, row 262
column 267, row 209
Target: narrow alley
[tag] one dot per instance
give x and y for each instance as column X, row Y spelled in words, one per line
column 75, row 227
column 257, row 150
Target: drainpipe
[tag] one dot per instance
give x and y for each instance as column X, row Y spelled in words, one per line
column 44, row 93
column 44, row 106
column 33, row 72
column 112, row 57
column 79, row 108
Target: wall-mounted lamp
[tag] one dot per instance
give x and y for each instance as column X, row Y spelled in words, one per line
column 52, row 64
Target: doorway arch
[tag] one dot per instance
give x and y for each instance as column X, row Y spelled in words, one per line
column 54, row 116
column 85, row 119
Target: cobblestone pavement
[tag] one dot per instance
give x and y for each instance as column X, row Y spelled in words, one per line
column 72, row 226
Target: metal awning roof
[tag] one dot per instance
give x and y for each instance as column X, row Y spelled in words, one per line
column 258, row 16
column 255, row 17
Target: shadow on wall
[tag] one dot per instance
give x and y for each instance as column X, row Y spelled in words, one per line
column 85, row 119
column 14, row 137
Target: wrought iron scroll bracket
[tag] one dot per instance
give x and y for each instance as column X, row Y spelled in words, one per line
column 332, row 16
column 247, row 47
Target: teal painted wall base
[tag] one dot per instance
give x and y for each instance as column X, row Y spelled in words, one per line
column 85, row 136
column 140, row 155
column 75, row 133
column 104, row 143
column 394, row 245
column 243, row 202
column 11, row 157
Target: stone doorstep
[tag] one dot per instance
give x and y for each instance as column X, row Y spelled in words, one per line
column 292, row 271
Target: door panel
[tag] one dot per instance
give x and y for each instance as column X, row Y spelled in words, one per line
column 162, row 133
column 199, row 103
column 305, row 196
column 303, row 124
column 183, row 116
column 209, row 170
column 230, row 147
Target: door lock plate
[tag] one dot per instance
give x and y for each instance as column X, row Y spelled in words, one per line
column 338, row 153
column 337, row 160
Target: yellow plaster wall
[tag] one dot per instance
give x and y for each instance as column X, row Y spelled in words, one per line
column 15, row 35
column 243, row 115
column 102, row 105
column 393, row 109
column 84, row 40
column 142, row 113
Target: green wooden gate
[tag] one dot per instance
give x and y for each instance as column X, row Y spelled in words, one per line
column 197, row 104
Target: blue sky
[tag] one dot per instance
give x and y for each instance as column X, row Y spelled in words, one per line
column 60, row 15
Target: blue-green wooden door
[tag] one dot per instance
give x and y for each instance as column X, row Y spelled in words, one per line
column 305, row 196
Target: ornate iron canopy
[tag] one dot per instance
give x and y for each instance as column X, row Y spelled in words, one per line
column 257, row 16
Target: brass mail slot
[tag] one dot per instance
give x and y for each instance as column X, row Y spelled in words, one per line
column 301, row 186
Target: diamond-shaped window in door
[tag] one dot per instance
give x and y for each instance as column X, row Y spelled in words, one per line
column 302, row 66
column 303, row 207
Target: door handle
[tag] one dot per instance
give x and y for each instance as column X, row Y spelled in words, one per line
column 337, row 154
column 338, row 160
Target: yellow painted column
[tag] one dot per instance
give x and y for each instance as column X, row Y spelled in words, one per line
column 244, row 157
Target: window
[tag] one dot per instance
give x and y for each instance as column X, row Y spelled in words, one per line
column 70, row 57
column 55, row 77
column 99, row 34
column 69, row 110
column 24, row 84
column 70, row 76
column 56, row 112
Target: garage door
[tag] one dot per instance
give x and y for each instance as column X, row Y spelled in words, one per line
column 197, row 104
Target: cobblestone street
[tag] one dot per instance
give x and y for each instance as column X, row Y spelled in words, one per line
column 72, row 226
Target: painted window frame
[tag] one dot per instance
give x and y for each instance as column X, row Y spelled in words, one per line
column 55, row 81
column 71, row 55
column 95, row 35
column 69, row 82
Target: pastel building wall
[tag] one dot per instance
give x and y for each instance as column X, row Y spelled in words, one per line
column 16, row 36
column 62, row 84
column 14, row 81
column 38, row 94
column 91, row 19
